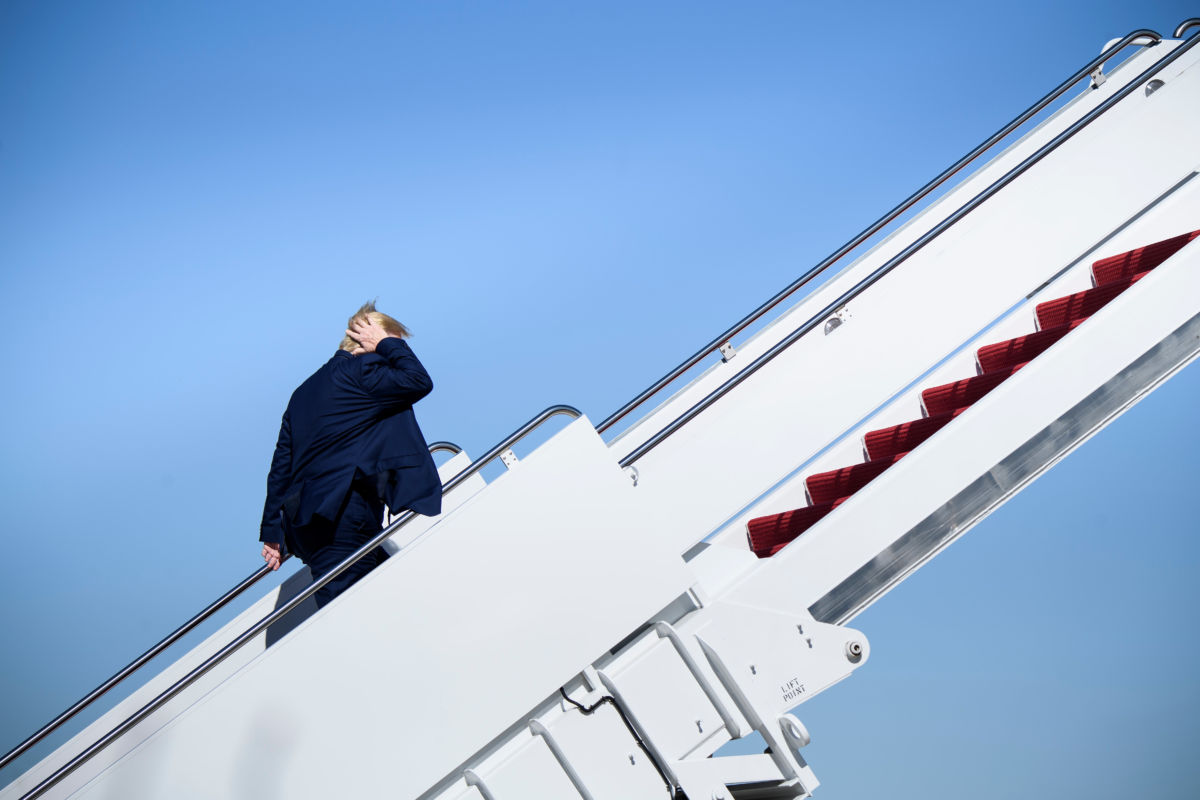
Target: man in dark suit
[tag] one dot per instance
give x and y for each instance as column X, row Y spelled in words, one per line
column 348, row 444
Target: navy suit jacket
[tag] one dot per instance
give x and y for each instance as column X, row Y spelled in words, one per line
column 351, row 423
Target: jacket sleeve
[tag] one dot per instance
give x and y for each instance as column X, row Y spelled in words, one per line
column 278, row 481
column 393, row 375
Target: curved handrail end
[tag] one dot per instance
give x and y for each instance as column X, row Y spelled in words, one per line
column 1185, row 26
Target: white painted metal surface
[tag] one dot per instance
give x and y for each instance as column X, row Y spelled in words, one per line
column 1053, row 384
column 472, row 626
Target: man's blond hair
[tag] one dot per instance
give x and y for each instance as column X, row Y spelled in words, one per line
column 368, row 312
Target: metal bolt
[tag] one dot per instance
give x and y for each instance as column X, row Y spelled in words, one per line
column 854, row 652
column 719, row 794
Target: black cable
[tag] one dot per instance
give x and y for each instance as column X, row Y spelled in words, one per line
column 588, row 710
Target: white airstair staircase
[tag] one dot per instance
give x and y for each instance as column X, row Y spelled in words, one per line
column 608, row 613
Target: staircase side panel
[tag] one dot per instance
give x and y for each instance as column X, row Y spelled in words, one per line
column 388, row 689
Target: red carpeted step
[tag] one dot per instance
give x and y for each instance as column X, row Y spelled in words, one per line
column 768, row 535
column 1003, row 355
column 960, row 394
column 1126, row 265
column 998, row 362
column 1081, row 305
column 888, row 442
column 827, row 487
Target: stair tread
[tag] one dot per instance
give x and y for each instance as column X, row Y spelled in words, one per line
column 1082, row 305
column 1142, row 259
column 825, row 487
column 1021, row 349
column 887, row 442
column 964, row 392
column 768, row 534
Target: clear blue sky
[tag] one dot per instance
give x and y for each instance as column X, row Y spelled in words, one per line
column 562, row 201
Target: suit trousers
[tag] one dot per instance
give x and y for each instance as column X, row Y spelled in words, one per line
column 361, row 519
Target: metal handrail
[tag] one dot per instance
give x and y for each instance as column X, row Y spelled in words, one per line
column 1185, row 26
column 157, row 649
column 903, row 255
column 283, row 610
column 716, row 344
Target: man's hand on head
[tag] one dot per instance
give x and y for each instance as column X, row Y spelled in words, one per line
column 367, row 333
column 272, row 555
